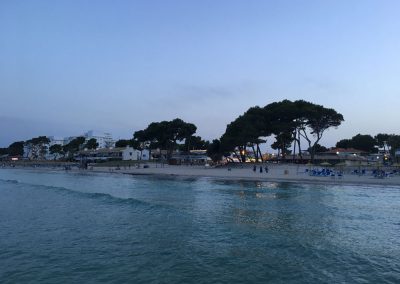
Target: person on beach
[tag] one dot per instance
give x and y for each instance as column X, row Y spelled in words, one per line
column 266, row 169
column 254, row 168
column 261, row 170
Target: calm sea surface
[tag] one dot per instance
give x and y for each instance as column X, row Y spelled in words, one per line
column 58, row 227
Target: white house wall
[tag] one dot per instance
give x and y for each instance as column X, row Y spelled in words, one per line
column 130, row 154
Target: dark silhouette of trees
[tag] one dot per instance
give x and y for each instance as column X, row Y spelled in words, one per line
column 288, row 121
column 16, row 149
column 319, row 149
column 394, row 143
column 282, row 143
column 215, row 151
column 364, row 142
column 91, row 144
column 382, row 140
column 344, row 143
column 56, row 150
column 389, row 142
column 74, row 146
column 122, row 143
column 248, row 130
column 194, row 143
column 315, row 120
column 165, row 135
column 37, row 147
column 361, row 142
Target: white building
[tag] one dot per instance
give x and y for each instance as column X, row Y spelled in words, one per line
column 105, row 140
column 31, row 152
column 130, row 154
column 113, row 154
column 56, row 141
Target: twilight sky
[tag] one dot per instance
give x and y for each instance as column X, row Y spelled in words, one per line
column 70, row 66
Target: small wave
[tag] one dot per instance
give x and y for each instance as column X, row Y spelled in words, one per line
column 92, row 195
column 115, row 200
column 98, row 195
column 9, row 180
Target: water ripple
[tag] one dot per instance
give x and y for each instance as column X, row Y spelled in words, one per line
column 77, row 228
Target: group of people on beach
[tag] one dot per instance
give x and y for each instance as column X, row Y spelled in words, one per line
column 261, row 169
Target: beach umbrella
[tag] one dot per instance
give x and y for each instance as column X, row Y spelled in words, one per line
column 309, row 164
column 341, row 165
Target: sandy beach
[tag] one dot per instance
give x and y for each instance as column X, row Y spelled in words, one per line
column 276, row 173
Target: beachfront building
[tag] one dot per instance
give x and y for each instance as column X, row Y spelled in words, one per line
column 193, row 157
column 159, row 155
column 104, row 139
column 55, row 141
column 99, row 155
column 345, row 152
column 112, row 154
column 380, row 158
column 130, row 154
column 333, row 156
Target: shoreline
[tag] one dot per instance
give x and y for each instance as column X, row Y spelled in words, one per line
column 277, row 173
column 290, row 178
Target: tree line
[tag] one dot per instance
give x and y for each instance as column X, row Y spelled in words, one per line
column 388, row 142
column 166, row 135
column 288, row 123
column 37, row 148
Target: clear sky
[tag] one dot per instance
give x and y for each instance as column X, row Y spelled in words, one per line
column 70, row 66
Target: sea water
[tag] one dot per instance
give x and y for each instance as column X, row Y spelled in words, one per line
column 64, row 227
